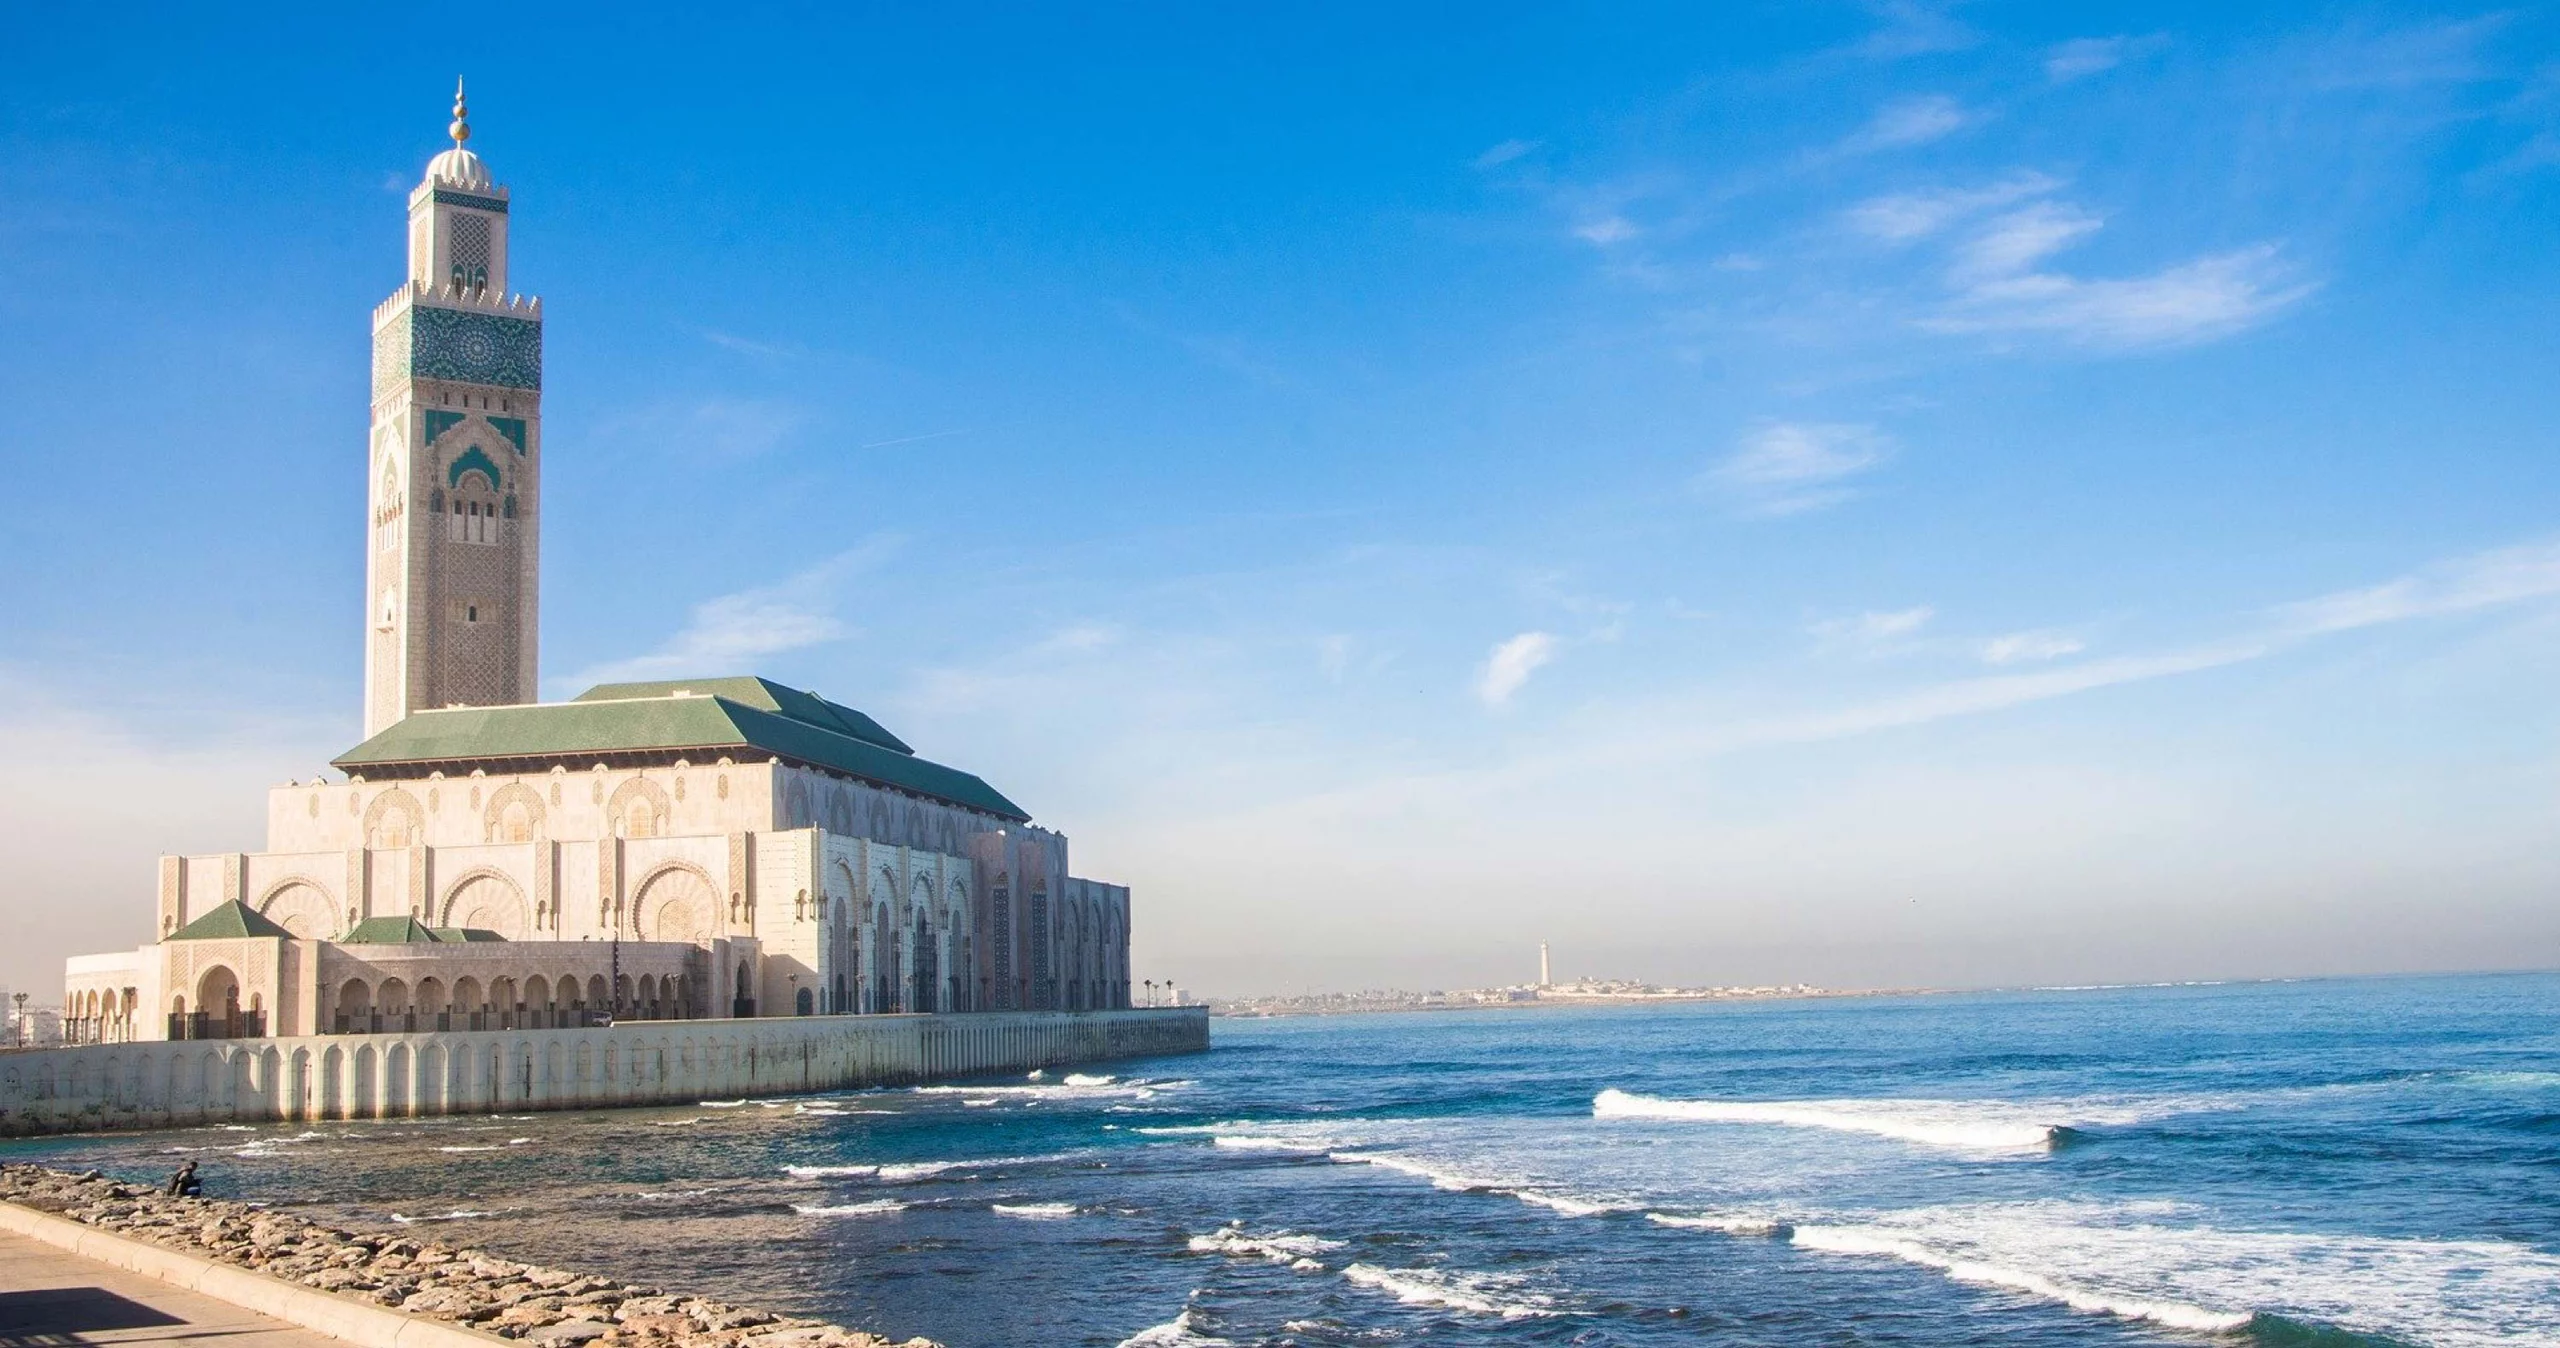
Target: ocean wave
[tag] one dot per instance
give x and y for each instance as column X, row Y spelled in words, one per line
column 1570, row 1205
column 1182, row 1331
column 2175, row 1315
column 1039, row 1211
column 1440, row 1176
column 828, row 1171
column 1961, row 1125
column 457, row 1215
column 492, row 1147
column 1089, row 1079
column 874, row 1208
column 1253, row 1142
column 2162, row 1262
column 1476, row 1293
column 1730, row 1224
column 1280, row 1247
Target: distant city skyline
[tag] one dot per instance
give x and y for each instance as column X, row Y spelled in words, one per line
column 1850, row 495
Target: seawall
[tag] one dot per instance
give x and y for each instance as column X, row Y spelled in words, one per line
column 165, row 1084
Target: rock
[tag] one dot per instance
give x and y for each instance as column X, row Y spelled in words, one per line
column 570, row 1331
column 550, row 1307
column 537, row 1311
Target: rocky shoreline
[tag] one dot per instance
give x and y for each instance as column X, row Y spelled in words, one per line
column 548, row 1306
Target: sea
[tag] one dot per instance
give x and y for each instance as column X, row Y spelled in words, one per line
column 2343, row 1162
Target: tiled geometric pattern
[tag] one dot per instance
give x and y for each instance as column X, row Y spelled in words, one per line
column 448, row 197
column 474, row 348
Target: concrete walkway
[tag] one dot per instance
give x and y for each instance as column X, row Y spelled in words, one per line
column 50, row 1298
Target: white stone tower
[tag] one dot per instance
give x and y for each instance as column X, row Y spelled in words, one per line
column 455, row 472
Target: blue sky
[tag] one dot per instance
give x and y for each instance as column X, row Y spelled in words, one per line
column 1861, row 494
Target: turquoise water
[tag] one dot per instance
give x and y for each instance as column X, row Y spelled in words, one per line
column 2368, row 1161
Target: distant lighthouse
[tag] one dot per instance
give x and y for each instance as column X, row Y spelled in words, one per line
column 1544, row 980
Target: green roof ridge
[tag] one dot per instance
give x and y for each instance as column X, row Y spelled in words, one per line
column 762, row 694
column 701, row 726
column 230, row 921
column 390, row 931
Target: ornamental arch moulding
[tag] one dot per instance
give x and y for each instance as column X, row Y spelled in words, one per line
column 488, row 900
column 676, row 902
column 514, row 814
column 300, row 906
column 391, row 823
column 637, row 809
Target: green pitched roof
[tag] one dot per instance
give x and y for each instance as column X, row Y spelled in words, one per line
column 389, row 931
column 228, row 922
column 697, row 717
column 764, row 695
column 410, row 931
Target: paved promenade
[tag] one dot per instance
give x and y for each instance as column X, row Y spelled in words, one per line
column 50, row 1297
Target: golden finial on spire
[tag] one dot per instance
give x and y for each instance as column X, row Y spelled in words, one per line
column 461, row 129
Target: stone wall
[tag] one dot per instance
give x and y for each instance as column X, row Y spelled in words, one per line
column 175, row 1084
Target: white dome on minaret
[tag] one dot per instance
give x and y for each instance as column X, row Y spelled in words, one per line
column 459, row 165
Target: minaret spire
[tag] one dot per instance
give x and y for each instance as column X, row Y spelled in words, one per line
column 461, row 128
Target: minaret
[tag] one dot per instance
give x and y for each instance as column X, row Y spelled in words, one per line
column 1544, row 980
column 455, row 472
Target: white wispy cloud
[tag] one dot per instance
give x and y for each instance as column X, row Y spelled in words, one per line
column 1504, row 152
column 1903, row 217
column 727, row 633
column 2016, row 241
column 1873, row 633
column 2485, row 580
column 2199, row 300
column 1999, row 276
column 1510, row 664
column 1606, row 230
column 1789, row 467
column 2084, row 56
column 1911, row 121
column 2018, row 648
column 1906, row 28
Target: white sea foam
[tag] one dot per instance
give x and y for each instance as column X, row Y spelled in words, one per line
column 1252, row 1142
column 1440, row 1176
column 720, row 1104
column 828, row 1171
column 875, row 1208
column 487, row 1148
column 1182, row 1331
column 1088, row 1079
column 2175, row 1315
column 457, row 1215
column 1732, row 1224
column 2163, row 1262
column 1039, row 1211
column 981, row 1103
column 1570, row 1205
column 1961, row 1125
column 1476, row 1293
column 1280, row 1247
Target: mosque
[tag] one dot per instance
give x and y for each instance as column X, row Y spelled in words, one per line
column 718, row 847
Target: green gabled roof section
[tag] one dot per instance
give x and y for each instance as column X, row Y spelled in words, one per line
column 764, row 695
column 229, row 922
column 459, row 935
column 692, row 717
column 390, row 931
